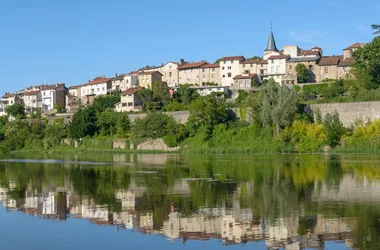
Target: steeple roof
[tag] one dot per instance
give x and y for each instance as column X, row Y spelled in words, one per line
column 271, row 43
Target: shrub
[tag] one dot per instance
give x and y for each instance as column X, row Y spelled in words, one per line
column 333, row 129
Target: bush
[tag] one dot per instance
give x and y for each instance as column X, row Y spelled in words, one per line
column 170, row 140
column 333, row 129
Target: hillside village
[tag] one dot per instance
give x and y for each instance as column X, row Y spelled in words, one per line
column 227, row 75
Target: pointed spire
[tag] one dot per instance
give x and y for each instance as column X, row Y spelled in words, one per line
column 271, row 42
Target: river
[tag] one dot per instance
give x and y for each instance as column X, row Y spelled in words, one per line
column 158, row 201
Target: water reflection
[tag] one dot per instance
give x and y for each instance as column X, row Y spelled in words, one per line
column 290, row 202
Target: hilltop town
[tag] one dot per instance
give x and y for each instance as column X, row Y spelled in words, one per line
column 226, row 76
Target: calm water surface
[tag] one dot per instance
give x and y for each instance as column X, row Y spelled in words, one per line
column 123, row 201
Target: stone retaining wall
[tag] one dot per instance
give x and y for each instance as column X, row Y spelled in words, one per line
column 349, row 113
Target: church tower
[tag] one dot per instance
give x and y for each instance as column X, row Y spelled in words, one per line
column 271, row 49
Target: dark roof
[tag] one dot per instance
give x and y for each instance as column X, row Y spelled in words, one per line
column 53, row 86
column 250, row 61
column 245, row 76
column 354, row 46
column 149, row 73
column 329, row 60
column 303, row 59
column 347, row 62
column 316, row 47
column 131, row 91
column 8, row 96
column 97, row 80
column 232, row 58
column 192, row 65
column 271, row 43
column 309, row 53
column 213, row 65
column 262, row 62
column 32, row 92
column 277, row 57
column 119, row 77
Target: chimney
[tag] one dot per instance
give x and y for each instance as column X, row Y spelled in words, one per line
column 115, row 74
column 182, row 62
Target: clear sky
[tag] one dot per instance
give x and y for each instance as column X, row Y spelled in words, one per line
column 72, row 41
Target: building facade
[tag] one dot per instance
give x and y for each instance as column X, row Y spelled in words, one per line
column 53, row 95
column 245, row 81
column 210, row 73
column 148, row 79
column 190, row 73
column 97, row 87
column 124, row 81
column 229, row 68
column 129, row 101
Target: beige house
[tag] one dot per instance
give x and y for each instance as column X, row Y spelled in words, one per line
column 328, row 68
column 129, row 101
column 32, row 100
column 190, row 73
column 311, row 64
column 245, row 81
column 7, row 100
column 229, row 68
column 170, row 74
column 210, row 73
column 147, row 79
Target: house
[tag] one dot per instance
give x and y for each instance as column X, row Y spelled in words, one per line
column 248, row 67
column 230, row 67
column 170, row 73
column 7, row 100
column 210, row 73
column 52, row 95
column 277, row 67
column 32, row 100
column 124, row 81
column 129, row 101
column 345, row 64
column 311, row 64
column 149, row 78
column 207, row 90
column 190, row 73
column 97, row 87
column 245, row 81
column 328, row 68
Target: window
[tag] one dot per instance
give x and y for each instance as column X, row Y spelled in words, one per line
column 212, row 75
column 261, row 72
column 326, row 69
column 278, row 69
column 98, row 89
column 272, row 69
column 241, row 85
column 224, row 62
column 224, row 76
column 290, row 66
column 345, row 70
column 170, row 66
column 170, row 74
column 262, row 65
column 130, row 104
column 310, row 67
column 124, row 104
column 213, row 69
column 272, row 61
column 229, row 67
column 243, row 65
column 229, row 74
column 103, row 89
column 203, row 70
column 251, row 65
column 222, row 68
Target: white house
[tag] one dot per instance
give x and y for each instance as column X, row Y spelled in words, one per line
column 97, row 87
column 170, row 73
column 123, row 82
column 32, row 100
column 229, row 68
column 277, row 67
column 7, row 100
column 52, row 95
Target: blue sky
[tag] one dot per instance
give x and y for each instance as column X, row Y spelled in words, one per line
column 72, row 41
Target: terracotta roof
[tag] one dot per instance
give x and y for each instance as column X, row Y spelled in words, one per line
column 329, row 60
column 277, row 57
column 131, row 91
column 53, row 86
column 213, row 65
column 347, row 62
column 74, row 87
column 8, row 96
column 316, row 47
column 245, row 76
column 97, row 80
column 149, row 73
column 309, row 53
column 262, row 62
column 250, row 61
column 32, row 92
column 232, row 58
column 192, row 65
column 354, row 46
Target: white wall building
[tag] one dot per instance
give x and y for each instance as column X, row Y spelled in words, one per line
column 97, row 87
column 124, row 82
column 52, row 95
column 277, row 67
column 229, row 68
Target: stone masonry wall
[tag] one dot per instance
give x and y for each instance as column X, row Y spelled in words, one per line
column 349, row 113
column 179, row 116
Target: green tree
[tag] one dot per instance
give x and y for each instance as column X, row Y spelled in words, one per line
column 207, row 111
column 123, row 126
column 83, row 123
column 242, row 96
column 278, row 105
column 185, row 94
column 376, row 27
column 333, row 129
column 255, row 58
column 16, row 110
column 58, row 107
column 101, row 103
column 302, row 73
column 161, row 92
column 106, row 122
column 366, row 67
